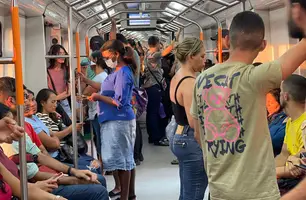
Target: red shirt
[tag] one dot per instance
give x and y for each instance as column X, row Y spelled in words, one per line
column 8, row 164
column 7, row 195
column 30, row 131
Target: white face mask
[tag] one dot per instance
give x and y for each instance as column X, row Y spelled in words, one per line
column 110, row 63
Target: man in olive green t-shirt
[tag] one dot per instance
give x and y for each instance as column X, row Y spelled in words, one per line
column 231, row 118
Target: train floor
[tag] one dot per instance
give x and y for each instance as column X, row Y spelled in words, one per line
column 156, row 178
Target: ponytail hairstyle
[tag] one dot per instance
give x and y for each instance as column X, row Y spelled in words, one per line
column 126, row 54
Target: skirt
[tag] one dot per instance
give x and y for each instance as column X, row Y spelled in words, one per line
column 117, row 145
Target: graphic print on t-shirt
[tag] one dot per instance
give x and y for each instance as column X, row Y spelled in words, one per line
column 217, row 101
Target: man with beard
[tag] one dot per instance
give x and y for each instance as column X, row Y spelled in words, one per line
column 225, row 35
column 297, row 29
column 292, row 99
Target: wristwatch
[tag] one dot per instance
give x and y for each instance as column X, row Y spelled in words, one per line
column 57, row 197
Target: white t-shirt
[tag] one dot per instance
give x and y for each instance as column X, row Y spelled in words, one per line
column 93, row 106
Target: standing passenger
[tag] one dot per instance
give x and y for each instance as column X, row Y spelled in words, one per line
column 230, row 113
column 117, row 118
column 58, row 77
column 191, row 54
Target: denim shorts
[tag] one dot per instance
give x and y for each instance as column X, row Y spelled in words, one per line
column 117, row 145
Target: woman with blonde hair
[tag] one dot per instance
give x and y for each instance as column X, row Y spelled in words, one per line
column 190, row 54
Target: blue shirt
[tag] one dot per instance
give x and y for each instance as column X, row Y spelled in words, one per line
column 38, row 127
column 119, row 86
column 277, row 131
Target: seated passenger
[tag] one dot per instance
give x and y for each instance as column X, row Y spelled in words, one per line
column 33, row 173
column 46, row 108
column 9, row 184
column 68, row 187
column 276, row 120
column 293, row 101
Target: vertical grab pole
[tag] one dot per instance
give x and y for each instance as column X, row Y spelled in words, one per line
column 19, row 97
column 220, row 46
column 72, row 89
column 91, row 139
column 87, row 45
column 202, row 36
column 78, row 56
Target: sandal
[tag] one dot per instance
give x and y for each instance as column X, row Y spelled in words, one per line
column 112, row 194
column 130, row 198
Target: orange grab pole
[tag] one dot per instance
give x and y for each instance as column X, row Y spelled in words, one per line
column 202, row 36
column 220, row 46
column 17, row 56
column 78, row 55
column 87, row 46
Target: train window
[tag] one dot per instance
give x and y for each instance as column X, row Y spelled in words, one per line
column 0, row 39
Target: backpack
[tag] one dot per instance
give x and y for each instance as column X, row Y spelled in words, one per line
column 139, row 101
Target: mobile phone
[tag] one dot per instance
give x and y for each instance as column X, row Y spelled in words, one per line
column 301, row 166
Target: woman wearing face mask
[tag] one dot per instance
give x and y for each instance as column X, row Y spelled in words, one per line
column 101, row 71
column 58, row 77
column 117, row 118
column 276, row 119
column 190, row 54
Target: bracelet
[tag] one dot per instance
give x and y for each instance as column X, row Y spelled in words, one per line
column 69, row 171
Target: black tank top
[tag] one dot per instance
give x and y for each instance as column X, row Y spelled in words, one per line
column 178, row 110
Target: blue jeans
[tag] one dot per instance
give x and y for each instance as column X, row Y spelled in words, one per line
column 80, row 192
column 193, row 178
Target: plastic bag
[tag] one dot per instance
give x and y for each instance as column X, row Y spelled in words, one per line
column 171, row 128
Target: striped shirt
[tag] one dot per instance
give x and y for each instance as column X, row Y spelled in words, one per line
column 53, row 126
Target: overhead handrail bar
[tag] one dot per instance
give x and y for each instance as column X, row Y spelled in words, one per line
column 60, row 56
column 19, row 97
column 74, row 3
column 106, row 10
column 6, row 60
column 72, row 89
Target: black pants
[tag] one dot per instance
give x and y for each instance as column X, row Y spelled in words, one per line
column 155, row 125
column 138, row 143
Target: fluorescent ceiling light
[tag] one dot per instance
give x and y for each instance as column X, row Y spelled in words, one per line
column 103, row 16
column 176, row 6
column 111, row 12
column 108, row 4
column 167, row 14
column 175, row 12
column 98, row 8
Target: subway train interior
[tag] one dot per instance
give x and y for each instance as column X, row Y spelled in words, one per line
column 81, row 139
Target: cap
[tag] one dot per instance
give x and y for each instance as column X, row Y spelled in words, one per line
column 92, row 63
column 225, row 32
column 85, row 62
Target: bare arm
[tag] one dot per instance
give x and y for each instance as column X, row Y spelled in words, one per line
column 51, row 143
column 187, row 98
column 52, row 163
column 89, row 90
column 112, row 35
column 197, row 131
column 93, row 84
column 298, row 193
column 281, row 159
column 34, row 192
column 293, row 58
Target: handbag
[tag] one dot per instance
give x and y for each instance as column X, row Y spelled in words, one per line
column 162, row 83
